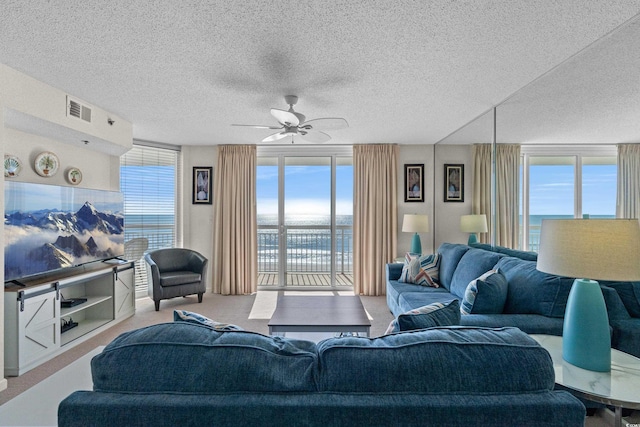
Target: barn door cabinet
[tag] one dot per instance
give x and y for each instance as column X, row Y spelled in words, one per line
column 47, row 315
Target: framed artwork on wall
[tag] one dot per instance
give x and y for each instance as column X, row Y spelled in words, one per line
column 202, row 185
column 414, row 183
column 454, row 183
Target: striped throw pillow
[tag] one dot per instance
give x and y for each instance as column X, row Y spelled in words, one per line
column 421, row 270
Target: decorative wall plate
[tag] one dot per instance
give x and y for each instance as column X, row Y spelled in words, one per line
column 47, row 164
column 12, row 166
column 74, row 176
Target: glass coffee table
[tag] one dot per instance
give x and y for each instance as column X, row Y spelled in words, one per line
column 344, row 314
column 619, row 388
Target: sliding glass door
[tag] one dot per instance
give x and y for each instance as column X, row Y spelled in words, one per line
column 304, row 206
column 307, row 221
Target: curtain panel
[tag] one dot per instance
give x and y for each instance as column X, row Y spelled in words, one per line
column 507, row 191
column 235, row 263
column 628, row 195
column 375, row 169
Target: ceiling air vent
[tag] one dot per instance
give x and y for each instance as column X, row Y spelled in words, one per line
column 78, row 110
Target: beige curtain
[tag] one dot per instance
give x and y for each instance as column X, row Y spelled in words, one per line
column 507, row 189
column 235, row 263
column 374, row 215
column 628, row 197
column 481, row 186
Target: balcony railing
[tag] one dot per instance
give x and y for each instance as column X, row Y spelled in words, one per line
column 308, row 253
column 308, row 249
column 160, row 238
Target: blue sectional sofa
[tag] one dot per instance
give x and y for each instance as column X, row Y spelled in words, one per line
column 533, row 301
column 192, row 375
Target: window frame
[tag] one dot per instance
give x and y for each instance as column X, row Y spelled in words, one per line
column 167, row 152
column 578, row 152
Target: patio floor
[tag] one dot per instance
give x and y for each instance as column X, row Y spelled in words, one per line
column 306, row 279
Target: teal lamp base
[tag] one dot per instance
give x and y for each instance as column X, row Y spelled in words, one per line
column 472, row 239
column 416, row 246
column 586, row 340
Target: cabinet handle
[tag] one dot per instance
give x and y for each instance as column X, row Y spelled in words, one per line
column 56, row 286
column 21, row 299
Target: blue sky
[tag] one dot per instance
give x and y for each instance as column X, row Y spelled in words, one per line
column 551, row 190
column 307, row 190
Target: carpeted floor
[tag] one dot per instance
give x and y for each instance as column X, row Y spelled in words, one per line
column 239, row 310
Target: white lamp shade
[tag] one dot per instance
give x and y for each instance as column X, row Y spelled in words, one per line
column 598, row 249
column 473, row 223
column 415, row 223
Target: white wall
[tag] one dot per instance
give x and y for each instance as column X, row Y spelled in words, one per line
column 98, row 171
column 444, row 218
column 197, row 228
column 447, row 215
column 29, row 104
column 33, row 118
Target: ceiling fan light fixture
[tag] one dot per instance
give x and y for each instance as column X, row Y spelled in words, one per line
column 293, row 123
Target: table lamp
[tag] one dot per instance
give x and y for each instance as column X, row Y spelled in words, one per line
column 597, row 249
column 414, row 223
column 473, row 224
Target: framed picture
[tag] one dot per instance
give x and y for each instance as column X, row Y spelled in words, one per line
column 414, row 183
column 454, row 183
column 202, row 185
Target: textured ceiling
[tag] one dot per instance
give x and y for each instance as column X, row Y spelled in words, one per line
column 407, row 72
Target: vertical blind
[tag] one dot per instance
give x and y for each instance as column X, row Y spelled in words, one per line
column 150, row 183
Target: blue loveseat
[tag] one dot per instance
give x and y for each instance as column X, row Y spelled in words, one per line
column 187, row 374
column 533, row 301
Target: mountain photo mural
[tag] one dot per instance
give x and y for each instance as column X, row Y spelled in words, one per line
column 50, row 227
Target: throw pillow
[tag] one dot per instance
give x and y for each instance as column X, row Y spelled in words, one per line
column 485, row 295
column 421, row 270
column 198, row 319
column 428, row 316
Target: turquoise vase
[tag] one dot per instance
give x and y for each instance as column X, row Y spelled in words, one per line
column 586, row 340
column 416, row 247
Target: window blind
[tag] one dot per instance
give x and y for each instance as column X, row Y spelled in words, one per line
column 150, row 183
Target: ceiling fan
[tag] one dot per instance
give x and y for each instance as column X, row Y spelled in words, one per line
column 293, row 123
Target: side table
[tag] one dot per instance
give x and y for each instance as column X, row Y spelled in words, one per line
column 619, row 388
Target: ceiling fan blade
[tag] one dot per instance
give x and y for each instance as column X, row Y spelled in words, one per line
column 275, row 137
column 314, row 136
column 329, row 123
column 285, row 117
column 260, row 126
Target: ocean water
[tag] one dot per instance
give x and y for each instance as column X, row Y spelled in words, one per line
column 308, row 243
column 158, row 229
column 305, row 220
column 308, row 240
